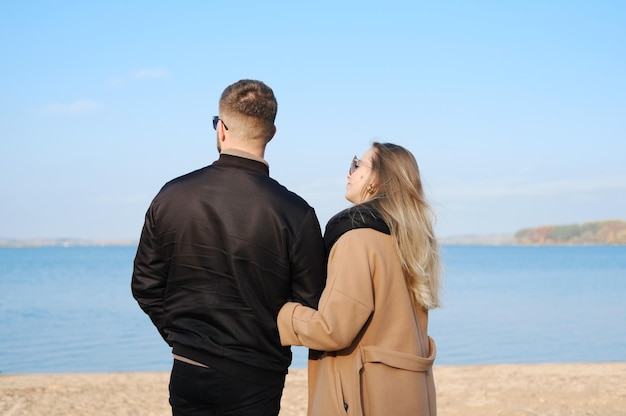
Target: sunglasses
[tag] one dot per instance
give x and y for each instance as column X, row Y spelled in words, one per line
column 215, row 120
column 356, row 162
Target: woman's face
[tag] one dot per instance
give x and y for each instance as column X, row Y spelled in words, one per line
column 359, row 178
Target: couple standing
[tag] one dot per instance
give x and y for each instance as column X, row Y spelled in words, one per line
column 232, row 269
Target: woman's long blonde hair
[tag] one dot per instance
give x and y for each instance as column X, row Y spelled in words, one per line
column 399, row 197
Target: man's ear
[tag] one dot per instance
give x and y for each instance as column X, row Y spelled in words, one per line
column 272, row 134
column 221, row 133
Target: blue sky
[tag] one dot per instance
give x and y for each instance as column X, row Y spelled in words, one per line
column 515, row 111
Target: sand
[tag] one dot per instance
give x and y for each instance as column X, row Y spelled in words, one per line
column 507, row 390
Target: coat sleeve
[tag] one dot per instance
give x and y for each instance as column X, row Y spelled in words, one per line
column 346, row 303
column 149, row 278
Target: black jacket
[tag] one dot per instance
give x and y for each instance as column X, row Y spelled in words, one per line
column 222, row 249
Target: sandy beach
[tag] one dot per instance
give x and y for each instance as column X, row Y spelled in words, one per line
column 511, row 390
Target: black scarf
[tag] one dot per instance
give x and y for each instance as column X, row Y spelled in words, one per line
column 358, row 216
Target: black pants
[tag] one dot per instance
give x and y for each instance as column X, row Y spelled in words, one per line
column 199, row 391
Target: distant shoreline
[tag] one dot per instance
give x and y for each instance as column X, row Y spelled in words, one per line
column 594, row 233
column 64, row 242
column 481, row 240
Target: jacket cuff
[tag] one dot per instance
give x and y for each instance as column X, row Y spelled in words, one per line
column 287, row 333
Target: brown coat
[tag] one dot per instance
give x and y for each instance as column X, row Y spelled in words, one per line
column 380, row 359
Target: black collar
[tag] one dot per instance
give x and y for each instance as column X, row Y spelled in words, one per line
column 358, row 216
column 231, row 161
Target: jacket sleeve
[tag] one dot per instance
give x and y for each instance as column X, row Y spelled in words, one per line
column 346, row 303
column 150, row 274
column 308, row 263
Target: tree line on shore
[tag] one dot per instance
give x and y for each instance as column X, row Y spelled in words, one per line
column 589, row 233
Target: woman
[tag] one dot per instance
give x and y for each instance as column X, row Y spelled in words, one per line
column 383, row 277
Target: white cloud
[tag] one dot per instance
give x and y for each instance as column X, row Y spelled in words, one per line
column 76, row 107
column 522, row 187
column 506, row 204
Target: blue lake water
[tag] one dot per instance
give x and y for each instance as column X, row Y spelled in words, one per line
column 70, row 309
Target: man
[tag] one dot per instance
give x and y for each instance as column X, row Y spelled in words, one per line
column 221, row 250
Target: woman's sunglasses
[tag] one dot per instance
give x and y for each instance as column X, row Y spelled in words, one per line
column 356, row 162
